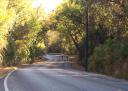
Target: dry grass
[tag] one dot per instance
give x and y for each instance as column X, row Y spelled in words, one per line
column 75, row 63
column 36, row 62
column 5, row 70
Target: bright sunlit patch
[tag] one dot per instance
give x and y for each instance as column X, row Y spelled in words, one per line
column 48, row 5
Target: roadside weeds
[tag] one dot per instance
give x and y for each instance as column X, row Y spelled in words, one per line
column 5, row 70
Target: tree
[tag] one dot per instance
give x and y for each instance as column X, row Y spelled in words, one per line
column 5, row 25
column 70, row 21
column 20, row 26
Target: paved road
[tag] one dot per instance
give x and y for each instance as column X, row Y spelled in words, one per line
column 1, row 84
column 52, row 77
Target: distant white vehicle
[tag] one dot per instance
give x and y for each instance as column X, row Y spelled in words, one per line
column 57, row 57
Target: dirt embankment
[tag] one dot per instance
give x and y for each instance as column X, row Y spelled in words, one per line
column 73, row 60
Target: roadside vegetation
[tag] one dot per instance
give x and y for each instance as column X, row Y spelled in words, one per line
column 5, row 70
column 26, row 33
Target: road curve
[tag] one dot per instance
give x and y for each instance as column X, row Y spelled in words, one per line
column 56, row 79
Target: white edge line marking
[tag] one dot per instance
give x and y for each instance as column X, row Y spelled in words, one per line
column 5, row 80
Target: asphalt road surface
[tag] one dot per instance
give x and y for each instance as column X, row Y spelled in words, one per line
column 52, row 76
column 1, row 84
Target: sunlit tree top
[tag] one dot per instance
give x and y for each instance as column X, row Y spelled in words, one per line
column 47, row 5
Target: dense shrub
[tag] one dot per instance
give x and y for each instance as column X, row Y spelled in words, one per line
column 110, row 58
column 9, row 52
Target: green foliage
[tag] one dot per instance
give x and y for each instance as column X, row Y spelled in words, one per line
column 9, row 52
column 19, row 30
column 110, row 58
column 4, row 27
column 69, row 22
column 22, row 52
column 23, row 28
column 26, row 40
column 55, row 48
